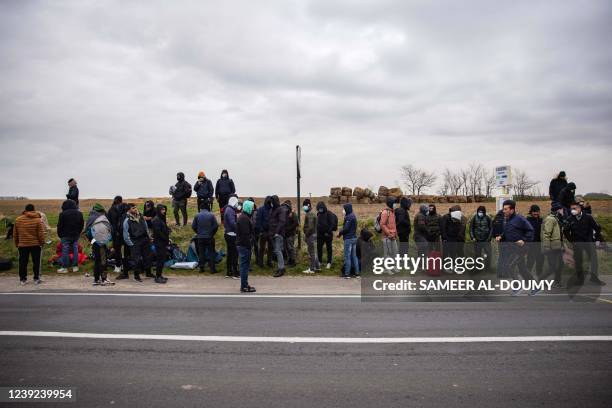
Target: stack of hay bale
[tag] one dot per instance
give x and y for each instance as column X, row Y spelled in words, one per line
column 383, row 192
column 334, row 195
column 364, row 195
column 346, row 194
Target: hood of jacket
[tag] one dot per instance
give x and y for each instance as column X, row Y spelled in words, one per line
column 275, row 201
column 390, row 202
column 365, row 234
column 32, row 214
column 68, row 205
column 348, row 208
column 423, row 209
column 267, row 202
column 180, row 176
column 321, row 207
column 405, row 203
column 158, row 211
column 224, row 171
column 481, row 208
column 434, row 211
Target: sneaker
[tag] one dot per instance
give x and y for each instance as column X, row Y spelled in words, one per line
column 97, row 283
column 356, row 276
column 22, row 283
column 597, row 281
column 87, row 274
column 328, row 266
column 228, row 276
column 62, row 270
column 76, row 269
column 117, row 269
column 137, row 278
column 279, row 273
column 37, row 281
column 235, row 277
column 558, row 285
column 159, row 279
column 534, row 292
column 346, row 277
column 308, row 271
column 516, row 292
column 106, row 282
column 248, row 289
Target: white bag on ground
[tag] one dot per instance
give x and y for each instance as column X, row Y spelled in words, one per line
column 184, row 265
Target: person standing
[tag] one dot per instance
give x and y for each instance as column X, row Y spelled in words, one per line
column 433, row 228
column 278, row 222
column 556, row 185
column 552, row 243
column 452, row 229
column 205, row 226
column 69, row 227
column 99, row 231
column 349, row 235
column 148, row 213
column 481, row 231
column 402, row 223
column 161, row 240
column 421, row 232
column 583, row 232
column 229, row 225
column 204, row 190
column 180, row 194
column 73, row 192
column 327, row 223
column 116, row 215
column 262, row 228
column 136, row 236
column 517, row 231
column 244, row 240
column 224, row 189
column 567, row 197
column 389, row 230
column 291, row 229
column 310, row 235
column 534, row 251
column 29, row 237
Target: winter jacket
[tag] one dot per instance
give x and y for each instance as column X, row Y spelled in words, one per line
column 421, row 232
column 387, row 223
column 292, row 224
column 28, row 230
column 536, row 224
column 451, row 229
column 583, row 229
column 70, row 222
column 99, row 227
column 498, row 224
column 517, row 228
column 552, row 239
column 135, row 230
column 365, row 247
column 555, row 187
column 73, row 194
column 278, row 218
column 481, row 228
column 225, row 186
column 161, row 231
column 183, row 188
column 324, row 221
column 402, row 218
column 244, row 231
column 310, row 224
column 204, row 189
column 349, row 227
column 229, row 220
column 116, row 215
column 433, row 225
column 262, row 219
column 567, row 196
column 205, row 224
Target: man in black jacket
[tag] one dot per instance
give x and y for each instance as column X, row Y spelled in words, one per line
column 73, row 191
column 182, row 191
column 244, row 241
column 402, row 223
column 556, row 185
column 224, row 189
column 534, row 251
column 278, row 222
column 204, row 190
column 567, row 197
column 116, row 215
column 136, row 236
column 161, row 239
column 290, row 231
column 326, row 225
column 69, row 227
column 583, row 231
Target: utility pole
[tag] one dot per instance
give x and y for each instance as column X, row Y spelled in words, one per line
column 298, row 159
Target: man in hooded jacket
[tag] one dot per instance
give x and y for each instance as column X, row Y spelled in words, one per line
column 567, row 197
column 556, row 185
column 136, row 236
column 204, row 190
column 161, row 240
column 100, row 233
column 224, row 189
column 278, row 223
column 262, row 226
column 402, row 223
column 69, row 227
column 433, row 228
column 452, row 229
column 182, row 191
column 29, row 237
column 481, row 231
column 291, row 229
column 420, row 230
column 116, row 215
column 229, row 225
column 325, row 232
column 349, row 235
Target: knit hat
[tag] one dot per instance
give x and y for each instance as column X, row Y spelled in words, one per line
column 555, row 206
column 98, row 207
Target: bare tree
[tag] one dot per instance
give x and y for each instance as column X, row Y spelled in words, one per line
column 416, row 179
column 451, row 181
column 489, row 183
column 522, row 184
column 464, row 176
column 475, row 179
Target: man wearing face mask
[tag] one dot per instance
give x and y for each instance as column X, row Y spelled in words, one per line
column 161, row 239
column 583, row 232
column 349, row 235
column 278, row 222
column 310, row 234
column 224, row 188
column 481, row 230
column 180, row 193
column 229, row 224
column 204, row 190
column 136, row 236
column 552, row 243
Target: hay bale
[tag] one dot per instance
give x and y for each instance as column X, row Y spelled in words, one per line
column 395, row 192
column 358, row 192
column 368, row 193
column 335, row 191
column 382, row 199
column 347, row 191
column 383, row 191
column 480, row 198
column 333, row 200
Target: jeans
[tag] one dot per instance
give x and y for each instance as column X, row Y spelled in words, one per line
column 312, row 252
column 389, row 248
column 554, row 258
column 206, row 246
column 350, row 256
column 244, row 254
column 290, row 248
column 514, row 260
column 265, row 247
column 278, row 251
column 99, row 252
column 579, row 249
column 481, row 247
column 232, row 255
column 182, row 206
column 327, row 241
column 24, row 256
column 535, row 257
column 67, row 245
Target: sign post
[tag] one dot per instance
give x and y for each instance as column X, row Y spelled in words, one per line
column 503, row 181
column 298, row 160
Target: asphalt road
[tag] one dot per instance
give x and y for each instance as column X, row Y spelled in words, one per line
column 152, row 373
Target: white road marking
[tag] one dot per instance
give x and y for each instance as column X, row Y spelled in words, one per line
column 354, row 340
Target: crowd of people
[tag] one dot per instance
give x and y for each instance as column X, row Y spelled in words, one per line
column 137, row 240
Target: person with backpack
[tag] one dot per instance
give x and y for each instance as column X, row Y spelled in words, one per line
column 181, row 191
column 402, row 221
column 262, row 226
column 29, row 238
column 386, row 222
column 73, row 192
column 224, row 189
column 149, row 212
column 278, row 223
column 116, row 215
column 205, row 226
column 204, row 190
column 229, row 225
column 452, row 229
column 136, row 236
column 349, row 236
column 310, row 235
column 98, row 230
column 69, row 227
column 244, row 240
column 552, row 243
column 583, row 231
column 291, row 229
column 421, row 232
column 534, row 250
column 481, row 231
column 433, row 228
column 161, row 240
column 327, row 223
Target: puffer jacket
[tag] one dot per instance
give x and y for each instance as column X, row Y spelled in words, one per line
column 28, row 230
column 552, row 239
column 481, row 228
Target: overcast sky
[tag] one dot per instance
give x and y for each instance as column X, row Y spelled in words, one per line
column 122, row 95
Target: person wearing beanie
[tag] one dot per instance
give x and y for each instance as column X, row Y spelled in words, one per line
column 481, row 231
column 552, row 243
column 98, row 230
column 161, row 240
column 517, row 232
column 204, row 190
column 556, row 185
column 230, row 217
column 244, row 240
column 402, row 224
column 291, row 229
column 73, row 192
column 389, row 230
column 29, row 237
column 534, row 250
column 310, row 235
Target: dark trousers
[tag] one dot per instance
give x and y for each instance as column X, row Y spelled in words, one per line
column 483, row 248
column 181, row 206
column 245, row 264
column 514, row 261
column 161, row 254
column 256, row 247
column 24, row 255
column 535, row 257
column 204, row 202
column 141, row 257
column 232, row 255
column 404, row 244
column 327, row 241
column 554, row 257
column 206, row 246
column 589, row 248
column 223, row 200
column 118, row 246
column 99, row 253
column 265, row 246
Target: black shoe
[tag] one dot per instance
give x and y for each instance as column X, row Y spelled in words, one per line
column 149, row 275
column 248, row 289
column 597, row 281
column 279, row 273
column 159, row 279
column 137, row 278
column 122, row 276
